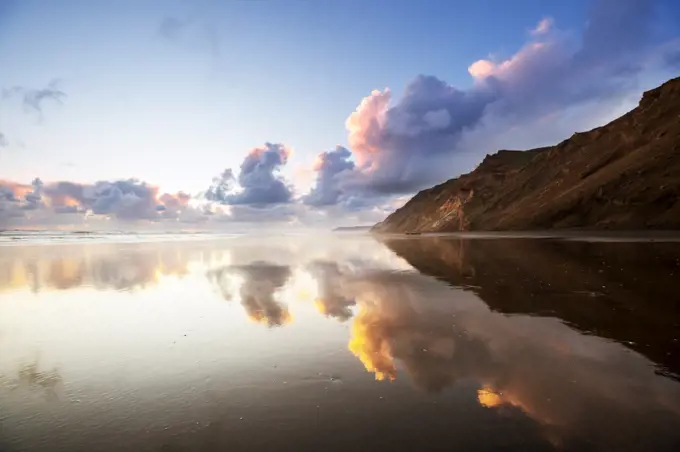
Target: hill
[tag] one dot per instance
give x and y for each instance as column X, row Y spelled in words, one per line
column 624, row 175
column 351, row 228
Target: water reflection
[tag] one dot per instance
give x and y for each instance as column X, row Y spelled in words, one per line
column 332, row 301
column 103, row 267
column 260, row 282
column 577, row 340
column 30, row 377
column 626, row 291
column 571, row 384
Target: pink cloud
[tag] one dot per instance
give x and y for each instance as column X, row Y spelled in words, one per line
column 364, row 126
column 543, row 27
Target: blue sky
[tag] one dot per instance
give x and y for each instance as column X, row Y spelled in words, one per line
column 174, row 92
column 288, row 71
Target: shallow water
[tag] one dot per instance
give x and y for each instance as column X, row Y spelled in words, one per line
column 340, row 342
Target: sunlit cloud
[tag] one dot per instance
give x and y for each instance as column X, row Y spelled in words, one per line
column 543, row 26
column 557, row 82
column 436, row 131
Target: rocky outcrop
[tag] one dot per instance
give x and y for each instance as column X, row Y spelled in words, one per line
column 624, row 175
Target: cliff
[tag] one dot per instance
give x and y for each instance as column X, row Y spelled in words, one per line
column 624, row 175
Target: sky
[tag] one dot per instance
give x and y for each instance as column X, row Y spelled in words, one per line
column 297, row 112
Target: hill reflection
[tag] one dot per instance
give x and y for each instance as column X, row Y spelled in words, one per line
column 626, row 291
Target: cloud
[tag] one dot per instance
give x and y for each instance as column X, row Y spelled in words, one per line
column 221, row 187
column 435, row 131
column 171, row 28
column 33, row 98
column 3, row 141
column 127, row 200
column 17, row 199
column 173, row 205
column 132, row 200
column 396, row 146
column 203, row 32
column 329, row 167
column 124, row 199
column 282, row 213
column 259, row 183
column 34, row 197
column 543, row 26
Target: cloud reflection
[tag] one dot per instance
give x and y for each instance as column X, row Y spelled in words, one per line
column 331, row 301
column 260, row 282
column 102, row 267
column 567, row 382
column 570, row 383
column 502, row 321
column 32, row 378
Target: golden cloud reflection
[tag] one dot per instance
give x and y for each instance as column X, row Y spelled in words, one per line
column 489, row 398
column 395, row 324
column 332, row 285
column 259, row 283
column 369, row 343
column 441, row 336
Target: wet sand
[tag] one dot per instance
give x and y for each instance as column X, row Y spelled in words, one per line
column 340, row 342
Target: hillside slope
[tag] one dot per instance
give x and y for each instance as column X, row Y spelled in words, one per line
column 624, row 175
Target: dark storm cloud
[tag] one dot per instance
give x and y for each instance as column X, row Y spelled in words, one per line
column 435, row 130
column 258, row 179
column 33, row 98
